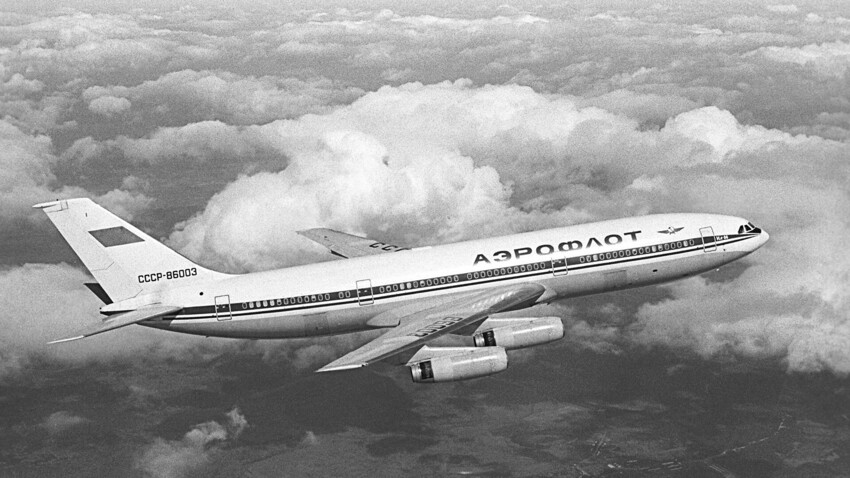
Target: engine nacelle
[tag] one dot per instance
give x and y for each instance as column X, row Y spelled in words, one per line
column 518, row 333
column 458, row 363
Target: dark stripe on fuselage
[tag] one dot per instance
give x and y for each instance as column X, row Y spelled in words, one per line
column 543, row 268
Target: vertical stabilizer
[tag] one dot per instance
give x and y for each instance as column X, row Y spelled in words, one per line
column 125, row 261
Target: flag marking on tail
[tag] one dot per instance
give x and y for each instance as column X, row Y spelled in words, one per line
column 115, row 236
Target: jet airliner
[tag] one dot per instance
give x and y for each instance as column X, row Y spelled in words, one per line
column 421, row 297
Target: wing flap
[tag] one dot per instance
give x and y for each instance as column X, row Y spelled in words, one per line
column 348, row 245
column 419, row 327
column 122, row 320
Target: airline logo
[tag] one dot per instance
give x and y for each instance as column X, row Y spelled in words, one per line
column 546, row 249
column 671, row 230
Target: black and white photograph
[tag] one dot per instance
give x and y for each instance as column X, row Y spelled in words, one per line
column 380, row 238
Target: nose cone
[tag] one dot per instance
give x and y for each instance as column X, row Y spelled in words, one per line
column 762, row 239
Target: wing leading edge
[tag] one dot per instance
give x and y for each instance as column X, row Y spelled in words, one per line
column 419, row 327
column 122, row 320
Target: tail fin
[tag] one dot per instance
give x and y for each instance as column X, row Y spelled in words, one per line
column 125, row 261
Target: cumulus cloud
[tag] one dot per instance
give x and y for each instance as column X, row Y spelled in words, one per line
column 62, row 421
column 615, row 120
column 20, row 85
column 185, row 96
column 495, row 159
column 27, row 177
column 25, row 170
column 828, row 59
column 368, row 197
column 109, row 105
column 64, row 306
column 197, row 449
column 789, row 8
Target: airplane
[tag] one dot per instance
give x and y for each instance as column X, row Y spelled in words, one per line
column 425, row 298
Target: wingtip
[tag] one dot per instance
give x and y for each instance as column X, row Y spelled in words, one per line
column 66, row 340
column 339, row 368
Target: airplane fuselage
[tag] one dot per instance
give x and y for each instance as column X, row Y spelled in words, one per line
column 367, row 292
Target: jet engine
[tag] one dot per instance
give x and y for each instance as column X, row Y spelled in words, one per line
column 446, row 364
column 518, row 333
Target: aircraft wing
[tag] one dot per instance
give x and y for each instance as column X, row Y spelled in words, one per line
column 419, row 327
column 347, row 245
column 122, row 320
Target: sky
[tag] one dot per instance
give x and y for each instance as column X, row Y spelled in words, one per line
column 223, row 127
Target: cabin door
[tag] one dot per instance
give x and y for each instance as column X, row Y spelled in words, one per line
column 222, row 307
column 708, row 243
column 364, row 292
column 559, row 266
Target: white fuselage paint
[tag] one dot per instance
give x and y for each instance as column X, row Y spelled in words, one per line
column 342, row 296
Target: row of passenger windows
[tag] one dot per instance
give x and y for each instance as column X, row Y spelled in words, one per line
column 307, row 299
column 638, row 251
column 417, row 284
column 506, row 270
column 302, row 299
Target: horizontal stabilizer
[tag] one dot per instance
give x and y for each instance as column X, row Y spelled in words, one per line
column 97, row 290
column 123, row 320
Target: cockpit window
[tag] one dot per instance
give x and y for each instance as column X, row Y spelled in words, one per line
column 748, row 228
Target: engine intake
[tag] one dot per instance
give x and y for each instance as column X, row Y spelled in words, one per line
column 518, row 333
column 458, row 363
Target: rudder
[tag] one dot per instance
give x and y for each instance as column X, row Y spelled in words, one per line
column 125, row 261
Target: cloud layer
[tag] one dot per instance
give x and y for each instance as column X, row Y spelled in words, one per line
column 225, row 127
column 424, row 128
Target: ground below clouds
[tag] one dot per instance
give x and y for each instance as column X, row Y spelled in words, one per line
column 595, row 414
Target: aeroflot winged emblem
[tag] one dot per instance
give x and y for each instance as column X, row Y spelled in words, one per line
column 671, row 230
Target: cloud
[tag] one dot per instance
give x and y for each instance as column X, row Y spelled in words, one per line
column 64, row 307
column 45, row 302
column 27, row 177
column 187, row 96
column 790, row 8
column 109, row 105
column 617, row 120
column 199, row 447
column 62, row 421
column 481, row 161
column 25, row 170
column 830, row 59
column 19, row 85
column 369, row 195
